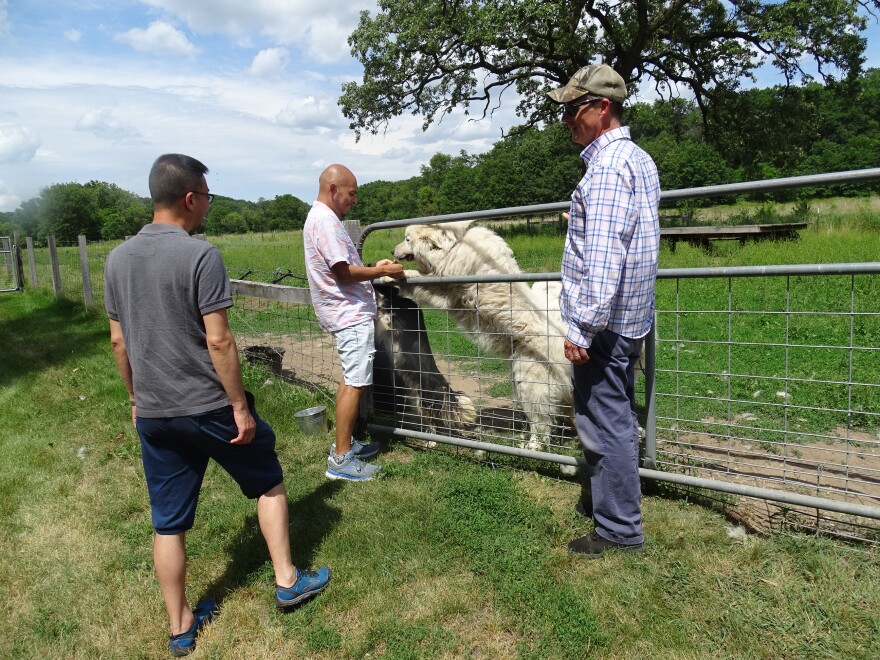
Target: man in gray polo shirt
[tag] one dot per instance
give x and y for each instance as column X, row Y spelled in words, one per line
column 166, row 295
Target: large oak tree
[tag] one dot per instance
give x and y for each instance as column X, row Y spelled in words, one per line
column 427, row 57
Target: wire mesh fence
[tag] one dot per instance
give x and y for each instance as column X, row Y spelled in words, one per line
column 9, row 279
column 773, row 381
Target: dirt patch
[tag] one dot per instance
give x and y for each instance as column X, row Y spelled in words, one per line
column 842, row 465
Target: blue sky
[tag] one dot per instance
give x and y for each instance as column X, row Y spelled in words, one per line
column 96, row 89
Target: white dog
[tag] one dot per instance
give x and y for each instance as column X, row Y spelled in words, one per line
column 506, row 318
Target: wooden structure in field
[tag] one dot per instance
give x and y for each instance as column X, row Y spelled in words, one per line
column 704, row 235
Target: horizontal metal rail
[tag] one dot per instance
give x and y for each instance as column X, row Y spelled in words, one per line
column 794, row 499
column 832, row 178
column 858, row 268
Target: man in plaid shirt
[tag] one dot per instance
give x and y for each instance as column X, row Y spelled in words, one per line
column 607, row 301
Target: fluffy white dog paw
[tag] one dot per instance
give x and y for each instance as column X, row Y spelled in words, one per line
column 568, row 470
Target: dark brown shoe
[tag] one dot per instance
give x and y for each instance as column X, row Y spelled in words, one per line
column 594, row 545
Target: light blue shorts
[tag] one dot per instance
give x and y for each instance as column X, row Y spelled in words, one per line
column 357, row 346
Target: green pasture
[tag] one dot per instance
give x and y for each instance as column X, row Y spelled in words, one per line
column 439, row 558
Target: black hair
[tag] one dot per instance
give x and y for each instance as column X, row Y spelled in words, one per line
column 172, row 176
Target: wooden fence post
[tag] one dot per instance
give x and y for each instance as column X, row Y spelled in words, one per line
column 353, row 229
column 16, row 256
column 56, row 269
column 84, row 269
column 32, row 262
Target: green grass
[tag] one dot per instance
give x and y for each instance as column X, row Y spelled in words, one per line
column 438, row 558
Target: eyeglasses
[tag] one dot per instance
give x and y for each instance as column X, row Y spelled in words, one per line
column 210, row 196
column 570, row 109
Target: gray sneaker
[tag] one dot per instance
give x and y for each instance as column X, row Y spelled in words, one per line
column 359, row 449
column 350, row 467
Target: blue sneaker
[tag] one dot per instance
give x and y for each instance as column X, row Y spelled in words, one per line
column 185, row 643
column 359, row 449
column 308, row 584
column 351, row 468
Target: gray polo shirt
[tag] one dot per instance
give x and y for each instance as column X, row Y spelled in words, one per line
column 158, row 285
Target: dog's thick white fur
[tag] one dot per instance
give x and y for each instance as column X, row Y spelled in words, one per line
column 506, row 318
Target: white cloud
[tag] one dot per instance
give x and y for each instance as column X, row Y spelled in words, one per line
column 17, row 144
column 327, row 40
column 405, row 155
column 321, row 28
column 160, row 38
column 103, row 123
column 8, row 200
column 73, row 35
column 269, row 63
column 311, row 113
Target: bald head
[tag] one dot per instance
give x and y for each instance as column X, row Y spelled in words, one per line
column 337, row 174
column 337, row 188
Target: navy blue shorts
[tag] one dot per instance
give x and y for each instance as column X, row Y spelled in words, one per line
column 175, row 453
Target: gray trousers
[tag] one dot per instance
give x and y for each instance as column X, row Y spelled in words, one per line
column 608, row 428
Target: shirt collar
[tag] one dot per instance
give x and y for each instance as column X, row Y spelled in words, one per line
column 619, row 133
column 162, row 228
column 323, row 205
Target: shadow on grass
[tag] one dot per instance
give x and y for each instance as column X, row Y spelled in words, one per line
column 311, row 520
column 40, row 332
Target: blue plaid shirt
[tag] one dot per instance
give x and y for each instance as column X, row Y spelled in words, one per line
column 610, row 259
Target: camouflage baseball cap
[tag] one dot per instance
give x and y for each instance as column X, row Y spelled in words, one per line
column 598, row 80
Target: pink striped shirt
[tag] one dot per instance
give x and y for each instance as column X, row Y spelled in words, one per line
column 337, row 305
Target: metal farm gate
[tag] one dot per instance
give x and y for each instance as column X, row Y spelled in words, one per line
column 757, row 381
column 10, row 275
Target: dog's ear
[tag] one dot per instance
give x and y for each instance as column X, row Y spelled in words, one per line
column 435, row 237
column 458, row 228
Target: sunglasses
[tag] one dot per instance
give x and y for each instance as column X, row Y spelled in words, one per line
column 570, row 109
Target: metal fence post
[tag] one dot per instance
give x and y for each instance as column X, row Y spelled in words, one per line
column 649, row 460
column 84, row 269
column 56, row 269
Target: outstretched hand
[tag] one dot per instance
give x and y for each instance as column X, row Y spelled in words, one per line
column 391, row 269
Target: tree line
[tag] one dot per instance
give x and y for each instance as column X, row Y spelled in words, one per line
column 748, row 135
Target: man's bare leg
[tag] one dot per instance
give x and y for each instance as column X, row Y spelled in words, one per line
column 348, row 401
column 273, row 517
column 169, row 558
